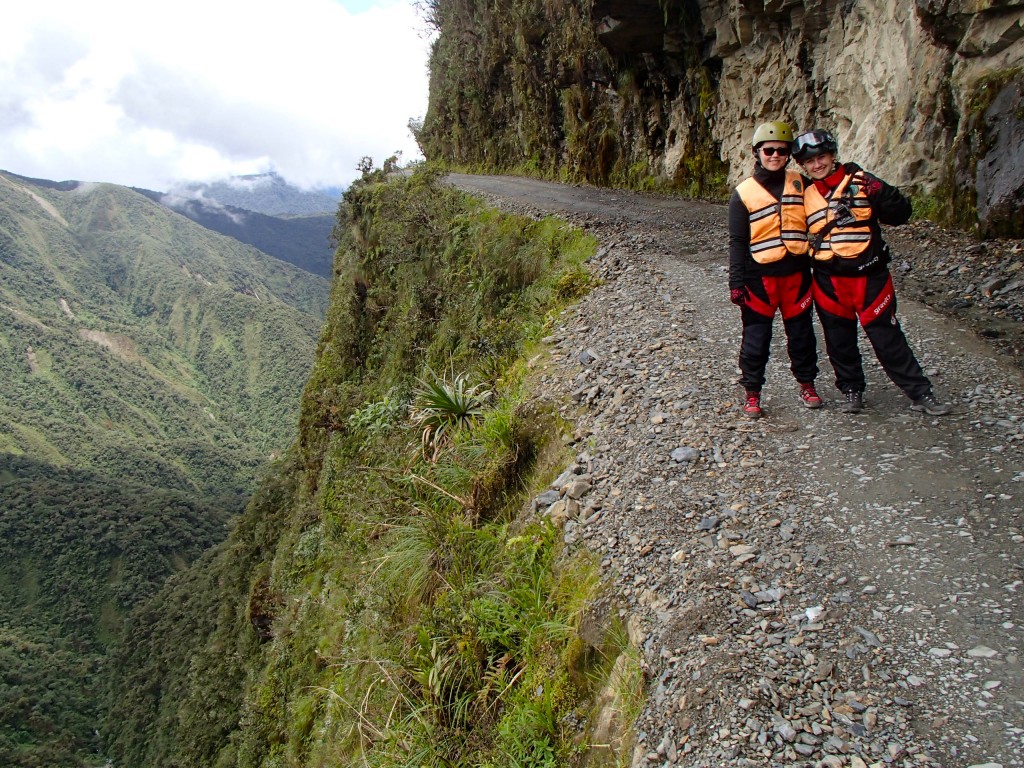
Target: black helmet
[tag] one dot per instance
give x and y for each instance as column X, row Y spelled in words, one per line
column 813, row 143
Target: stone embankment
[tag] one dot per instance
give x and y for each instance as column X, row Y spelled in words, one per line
column 979, row 283
column 813, row 588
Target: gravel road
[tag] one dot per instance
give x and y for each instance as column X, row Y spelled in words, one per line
column 813, row 588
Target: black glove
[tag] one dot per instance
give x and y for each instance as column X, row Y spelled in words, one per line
column 739, row 296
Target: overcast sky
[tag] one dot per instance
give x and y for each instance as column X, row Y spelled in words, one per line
column 144, row 94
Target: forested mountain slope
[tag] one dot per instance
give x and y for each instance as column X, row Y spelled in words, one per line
column 303, row 240
column 151, row 369
column 106, row 292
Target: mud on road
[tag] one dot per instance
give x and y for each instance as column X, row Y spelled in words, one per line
column 814, row 588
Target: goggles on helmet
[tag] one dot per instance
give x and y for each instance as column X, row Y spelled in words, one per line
column 813, row 143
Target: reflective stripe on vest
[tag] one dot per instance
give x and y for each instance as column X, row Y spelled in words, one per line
column 846, row 242
column 777, row 227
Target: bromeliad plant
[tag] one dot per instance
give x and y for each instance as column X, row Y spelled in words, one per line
column 442, row 406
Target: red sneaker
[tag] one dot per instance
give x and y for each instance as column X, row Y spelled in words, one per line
column 809, row 395
column 752, row 408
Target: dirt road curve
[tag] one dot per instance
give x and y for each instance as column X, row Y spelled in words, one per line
column 814, row 588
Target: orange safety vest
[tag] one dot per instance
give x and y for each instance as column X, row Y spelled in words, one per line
column 777, row 227
column 848, row 241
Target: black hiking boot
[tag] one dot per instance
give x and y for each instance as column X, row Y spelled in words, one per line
column 930, row 405
column 854, row 402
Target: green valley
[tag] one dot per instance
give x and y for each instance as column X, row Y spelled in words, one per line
column 151, row 371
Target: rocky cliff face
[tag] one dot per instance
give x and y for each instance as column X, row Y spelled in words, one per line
column 927, row 94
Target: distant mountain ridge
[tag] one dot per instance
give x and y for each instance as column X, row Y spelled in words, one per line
column 300, row 233
column 266, row 193
column 304, row 241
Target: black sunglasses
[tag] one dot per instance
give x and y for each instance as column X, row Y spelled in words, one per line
column 769, row 151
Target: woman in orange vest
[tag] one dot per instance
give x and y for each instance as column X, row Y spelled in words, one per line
column 769, row 270
column 844, row 205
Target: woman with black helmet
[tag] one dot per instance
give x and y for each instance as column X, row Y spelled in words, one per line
column 769, row 270
column 844, row 206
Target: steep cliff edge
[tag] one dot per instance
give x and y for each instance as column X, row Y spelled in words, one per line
column 623, row 93
column 388, row 598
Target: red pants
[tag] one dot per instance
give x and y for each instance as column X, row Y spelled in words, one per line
column 841, row 302
column 791, row 296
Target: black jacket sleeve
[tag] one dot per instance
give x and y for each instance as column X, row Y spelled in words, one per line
column 739, row 241
column 892, row 206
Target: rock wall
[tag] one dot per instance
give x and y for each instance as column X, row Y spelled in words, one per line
column 925, row 93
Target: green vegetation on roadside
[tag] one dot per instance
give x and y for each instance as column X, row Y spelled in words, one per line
column 388, row 598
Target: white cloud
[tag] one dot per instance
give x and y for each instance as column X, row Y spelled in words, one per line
column 146, row 94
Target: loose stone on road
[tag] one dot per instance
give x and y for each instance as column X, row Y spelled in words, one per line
column 814, row 588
